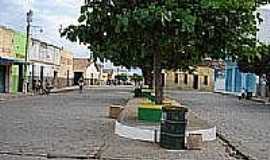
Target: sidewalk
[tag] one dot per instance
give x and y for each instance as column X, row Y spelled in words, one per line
column 264, row 100
column 121, row 148
column 65, row 89
column 11, row 96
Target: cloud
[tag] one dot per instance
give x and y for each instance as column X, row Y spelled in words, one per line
column 265, row 7
column 49, row 15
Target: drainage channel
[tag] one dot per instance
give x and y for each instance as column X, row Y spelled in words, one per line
column 236, row 152
column 50, row 156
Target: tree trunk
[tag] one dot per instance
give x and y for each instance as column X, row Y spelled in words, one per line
column 148, row 76
column 158, row 77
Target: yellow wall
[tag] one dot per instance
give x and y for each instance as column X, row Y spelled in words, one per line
column 66, row 64
column 6, row 42
column 201, row 71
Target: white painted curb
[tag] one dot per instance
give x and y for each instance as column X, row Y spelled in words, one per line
column 137, row 133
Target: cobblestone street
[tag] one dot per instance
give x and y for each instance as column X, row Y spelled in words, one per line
column 244, row 123
column 70, row 124
column 64, row 123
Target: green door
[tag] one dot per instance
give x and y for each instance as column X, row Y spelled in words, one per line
column 15, row 78
column 2, row 79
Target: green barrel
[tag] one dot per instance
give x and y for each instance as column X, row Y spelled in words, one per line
column 173, row 127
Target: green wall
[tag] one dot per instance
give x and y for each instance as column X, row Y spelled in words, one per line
column 19, row 45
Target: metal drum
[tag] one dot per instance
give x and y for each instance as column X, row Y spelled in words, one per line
column 173, row 127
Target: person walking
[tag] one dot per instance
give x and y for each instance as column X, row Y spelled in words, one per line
column 242, row 94
column 39, row 87
column 48, row 87
column 81, row 83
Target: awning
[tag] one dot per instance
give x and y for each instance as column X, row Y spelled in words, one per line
column 11, row 60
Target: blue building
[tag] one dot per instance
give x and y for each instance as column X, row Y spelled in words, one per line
column 235, row 80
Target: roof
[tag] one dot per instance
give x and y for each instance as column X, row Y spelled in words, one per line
column 9, row 60
column 48, row 44
column 80, row 64
column 7, row 28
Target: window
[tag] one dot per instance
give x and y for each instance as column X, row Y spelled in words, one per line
column 205, row 80
column 186, row 79
column 176, row 78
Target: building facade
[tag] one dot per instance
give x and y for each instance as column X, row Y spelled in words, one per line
column 12, row 60
column 201, row 79
column 236, row 81
column 45, row 62
column 66, row 74
column 87, row 69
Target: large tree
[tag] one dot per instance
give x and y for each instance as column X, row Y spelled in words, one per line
column 165, row 34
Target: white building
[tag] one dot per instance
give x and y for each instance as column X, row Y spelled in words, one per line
column 264, row 27
column 45, row 61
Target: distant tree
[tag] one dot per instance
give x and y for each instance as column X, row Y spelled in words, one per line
column 121, row 77
column 136, row 78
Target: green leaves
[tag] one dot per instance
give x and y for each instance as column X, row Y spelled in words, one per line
column 81, row 18
column 185, row 32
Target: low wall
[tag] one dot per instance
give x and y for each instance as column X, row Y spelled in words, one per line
column 137, row 133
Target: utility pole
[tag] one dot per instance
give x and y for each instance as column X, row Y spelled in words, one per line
column 29, row 15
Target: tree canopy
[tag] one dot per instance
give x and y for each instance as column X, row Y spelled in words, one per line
column 166, row 34
column 259, row 64
column 121, row 77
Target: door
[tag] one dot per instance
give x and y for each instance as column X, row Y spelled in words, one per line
column 41, row 73
column 2, row 79
column 67, row 77
column 238, row 81
column 55, row 74
column 21, row 77
column 195, row 82
column 77, row 76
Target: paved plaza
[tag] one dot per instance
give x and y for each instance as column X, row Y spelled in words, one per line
column 72, row 124
column 246, row 124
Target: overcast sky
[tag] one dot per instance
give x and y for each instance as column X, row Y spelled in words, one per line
column 49, row 14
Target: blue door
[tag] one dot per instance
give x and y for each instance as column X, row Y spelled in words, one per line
column 228, row 80
column 2, row 79
column 251, row 82
column 238, row 81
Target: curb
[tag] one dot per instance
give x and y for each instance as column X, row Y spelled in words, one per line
column 252, row 99
column 152, row 135
column 237, row 153
column 64, row 90
column 260, row 101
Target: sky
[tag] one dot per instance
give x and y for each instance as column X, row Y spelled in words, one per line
column 48, row 15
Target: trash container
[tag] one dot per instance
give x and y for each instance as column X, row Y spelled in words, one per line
column 173, row 127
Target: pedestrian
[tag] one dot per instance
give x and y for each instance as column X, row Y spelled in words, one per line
column 81, row 83
column 48, row 87
column 242, row 94
column 39, row 87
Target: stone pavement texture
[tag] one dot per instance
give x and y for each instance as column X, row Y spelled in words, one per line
column 246, row 124
column 65, row 123
column 78, row 124
column 11, row 96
